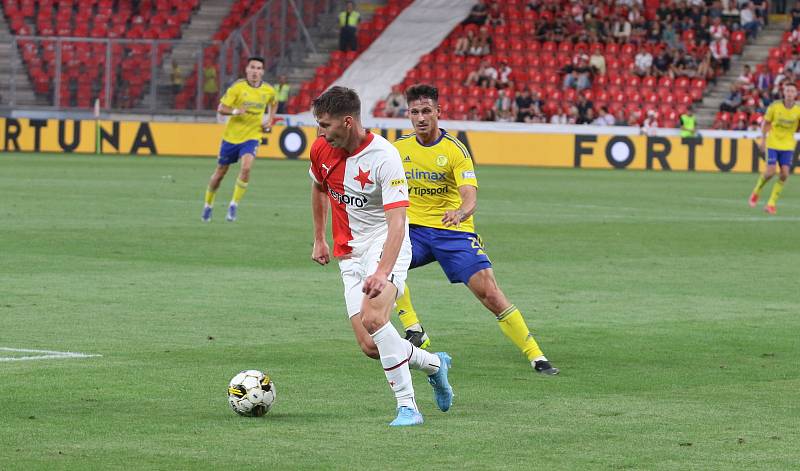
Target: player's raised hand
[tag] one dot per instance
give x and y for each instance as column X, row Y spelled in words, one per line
column 321, row 253
column 374, row 285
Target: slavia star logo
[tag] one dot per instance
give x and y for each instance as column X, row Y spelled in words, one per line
column 363, row 177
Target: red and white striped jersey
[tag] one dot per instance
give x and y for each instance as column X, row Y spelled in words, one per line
column 361, row 187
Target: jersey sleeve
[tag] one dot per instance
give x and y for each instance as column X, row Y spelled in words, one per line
column 770, row 114
column 392, row 179
column 231, row 95
column 463, row 169
column 313, row 169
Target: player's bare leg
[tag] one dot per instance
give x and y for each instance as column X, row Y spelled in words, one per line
column 211, row 191
column 241, row 185
column 484, row 286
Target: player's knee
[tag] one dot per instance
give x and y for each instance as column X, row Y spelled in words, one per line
column 372, row 325
column 369, row 349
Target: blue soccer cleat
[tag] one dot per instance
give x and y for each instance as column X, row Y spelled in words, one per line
column 406, row 416
column 231, row 213
column 442, row 391
column 206, row 217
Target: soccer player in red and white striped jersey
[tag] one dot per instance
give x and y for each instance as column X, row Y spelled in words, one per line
column 359, row 175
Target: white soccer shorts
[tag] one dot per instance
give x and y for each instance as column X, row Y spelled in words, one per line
column 356, row 269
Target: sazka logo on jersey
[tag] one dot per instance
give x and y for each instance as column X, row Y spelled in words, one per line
column 363, row 177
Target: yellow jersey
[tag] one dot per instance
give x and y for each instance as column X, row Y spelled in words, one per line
column 255, row 100
column 784, row 124
column 434, row 174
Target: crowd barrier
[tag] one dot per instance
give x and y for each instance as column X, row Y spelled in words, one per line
column 559, row 150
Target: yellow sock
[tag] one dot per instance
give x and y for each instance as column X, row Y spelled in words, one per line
column 408, row 316
column 210, row 195
column 238, row 190
column 760, row 184
column 776, row 193
column 513, row 325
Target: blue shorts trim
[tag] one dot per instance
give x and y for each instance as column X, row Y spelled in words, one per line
column 784, row 157
column 460, row 254
column 231, row 153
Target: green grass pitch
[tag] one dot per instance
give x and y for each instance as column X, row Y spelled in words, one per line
column 670, row 306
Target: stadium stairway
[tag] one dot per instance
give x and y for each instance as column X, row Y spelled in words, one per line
column 9, row 55
column 302, row 67
column 417, row 31
column 753, row 54
column 204, row 23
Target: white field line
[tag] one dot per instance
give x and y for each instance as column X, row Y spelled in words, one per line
column 44, row 354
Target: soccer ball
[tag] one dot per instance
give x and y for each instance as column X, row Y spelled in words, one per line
column 251, row 393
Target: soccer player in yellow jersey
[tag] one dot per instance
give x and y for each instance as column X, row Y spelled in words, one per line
column 778, row 128
column 443, row 195
column 245, row 102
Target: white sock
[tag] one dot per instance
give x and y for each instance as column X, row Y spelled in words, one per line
column 394, row 358
column 539, row 358
column 423, row 360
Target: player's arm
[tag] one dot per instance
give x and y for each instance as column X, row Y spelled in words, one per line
column 321, row 253
column 396, row 220
column 766, row 127
column 230, row 111
column 469, row 203
column 227, row 101
column 266, row 123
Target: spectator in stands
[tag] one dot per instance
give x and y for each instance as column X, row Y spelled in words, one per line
column 572, row 115
column 578, row 76
column 504, row 72
column 763, row 80
column 282, row 89
column 495, row 16
column 720, row 53
column 715, row 10
column 746, row 79
column 465, row 42
column 473, row 114
column 396, row 103
column 588, row 118
column 669, row 36
column 749, row 21
column 348, row 28
column 740, row 124
column 583, row 105
column 794, row 37
column 598, row 63
column 795, row 15
column 654, row 33
column 210, row 86
column 718, row 30
column 732, row 100
column 485, row 76
column 525, row 106
column 504, row 107
column 642, row 63
column 688, row 123
column 621, row 29
column 488, row 114
column 594, row 27
column 482, row 46
column 620, row 119
column 650, row 123
column 761, row 10
column 662, row 64
column 560, row 116
column 793, row 64
column 605, row 118
column 705, row 69
column 176, row 77
column 478, row 14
